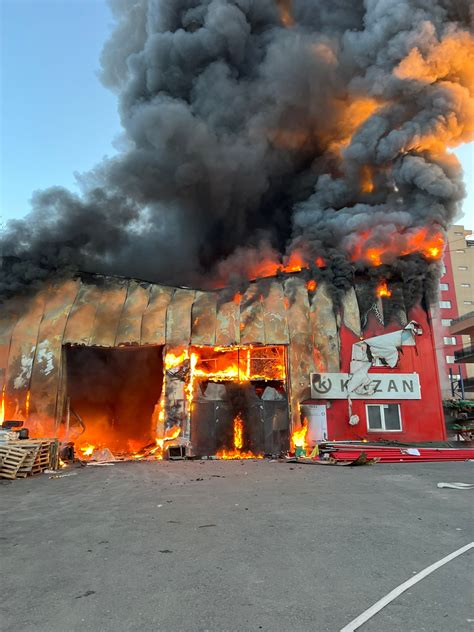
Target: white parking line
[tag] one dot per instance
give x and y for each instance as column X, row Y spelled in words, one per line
column 370, row 612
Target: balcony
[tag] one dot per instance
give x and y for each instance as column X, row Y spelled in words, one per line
column 464, row 355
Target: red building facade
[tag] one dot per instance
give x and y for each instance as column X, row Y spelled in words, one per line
column 398, row 418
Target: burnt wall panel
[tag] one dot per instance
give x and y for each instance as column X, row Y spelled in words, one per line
column 228, row 323
column 21, row 357
column 178, row 318
column 45, row 377
column 154, row 317
column 129, row 330
column 300, row 352
column 108, row 315
column 9, row 315
column 275, row 316
column 350, row 312
column 204, row 314
column 324, row 330
column 251, row 316
column 81, row 319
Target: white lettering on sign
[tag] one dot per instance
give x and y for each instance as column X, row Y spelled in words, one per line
column 381, row 386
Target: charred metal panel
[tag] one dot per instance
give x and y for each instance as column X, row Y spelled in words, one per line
column 275, row 316
column 10, row 313
column 394, row 309
column 108, row 315
column 251, row 316
column 324, row 331
column 203, row 428
column 81, row 319
column 154, row 317
column 129, row 330
column 228, row 324
column 276, row 424
column 178, row 318
column 300, row 351
column 204, row 314
column 350, row 309
column 22, row 356
column 46, row 368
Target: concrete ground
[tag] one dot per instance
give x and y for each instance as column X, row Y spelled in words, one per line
column 227, row 546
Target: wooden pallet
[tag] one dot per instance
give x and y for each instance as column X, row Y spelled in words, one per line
column 38, row 455
column 12, row 459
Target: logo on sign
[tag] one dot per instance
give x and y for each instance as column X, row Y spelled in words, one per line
column 321, row 383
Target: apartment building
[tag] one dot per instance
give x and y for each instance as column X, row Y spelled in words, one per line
column 456, row 298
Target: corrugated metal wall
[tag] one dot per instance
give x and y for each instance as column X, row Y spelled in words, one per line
column 112, row 312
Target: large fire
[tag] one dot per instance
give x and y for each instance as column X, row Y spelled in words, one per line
column 377, row 247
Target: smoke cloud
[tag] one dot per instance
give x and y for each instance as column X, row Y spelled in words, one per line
column 257, row 128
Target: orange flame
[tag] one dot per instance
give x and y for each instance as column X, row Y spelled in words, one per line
column 311, row 285
column 2, row 407
column 236, row 453
column 27, row 405
column 427, row 242
column 238, row 432
column 286, row 17
column 298, row 438
column 382, row 290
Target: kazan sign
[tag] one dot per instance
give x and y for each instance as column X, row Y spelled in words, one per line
column 381, row 386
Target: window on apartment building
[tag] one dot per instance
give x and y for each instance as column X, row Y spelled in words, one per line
column 460, row 251
column 462, row 268
column 384, row 417
column 465, row 285
column 449, row 359
column 445, row 304
column 444, row 286
column 446, row 322
column 443, row 269
column 449, row 340
column 459, row 234
column 467, row 302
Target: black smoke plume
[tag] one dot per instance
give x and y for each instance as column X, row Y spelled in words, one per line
column 250, row 127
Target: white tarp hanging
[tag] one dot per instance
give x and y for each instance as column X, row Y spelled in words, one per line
column 383, row 348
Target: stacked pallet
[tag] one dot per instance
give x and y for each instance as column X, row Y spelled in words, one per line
column 19, row 459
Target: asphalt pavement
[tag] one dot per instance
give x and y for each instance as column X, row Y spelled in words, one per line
column 231, row 546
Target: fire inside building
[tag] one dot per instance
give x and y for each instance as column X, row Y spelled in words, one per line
column 132, row 367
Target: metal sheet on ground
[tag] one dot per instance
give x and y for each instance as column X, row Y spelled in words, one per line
column 178, row 318
column 204, row 314
column 154, row 317
column 129, row 330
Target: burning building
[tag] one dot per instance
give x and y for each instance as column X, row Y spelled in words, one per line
column 118, row 363
column 300, row 141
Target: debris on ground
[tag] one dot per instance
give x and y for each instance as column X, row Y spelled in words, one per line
column 456, row 485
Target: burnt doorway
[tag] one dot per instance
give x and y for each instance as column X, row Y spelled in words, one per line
column 240, row 406
column 113, row 394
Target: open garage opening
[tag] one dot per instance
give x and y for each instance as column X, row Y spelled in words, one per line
column 240, row 401
column 112, row 398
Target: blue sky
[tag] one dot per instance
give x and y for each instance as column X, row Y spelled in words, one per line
column 56, row 118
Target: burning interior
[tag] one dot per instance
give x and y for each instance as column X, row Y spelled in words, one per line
column 229, row 402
